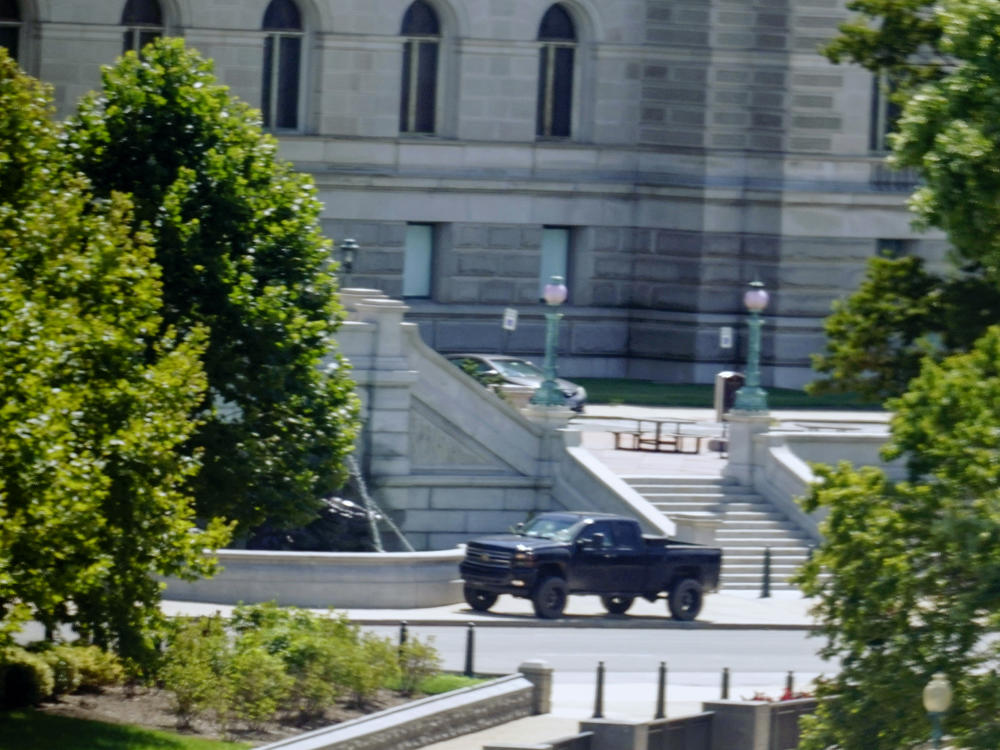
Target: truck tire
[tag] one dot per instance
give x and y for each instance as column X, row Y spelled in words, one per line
column 550, row 598
column 479, row 599
column 617, row 605
column 685, row 599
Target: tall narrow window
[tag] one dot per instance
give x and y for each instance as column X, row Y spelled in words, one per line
column 418, row 260
column 282, row 65
column 143, row 22
column 420, row 63
column 555, row 73
column 555, row 256
column 885, row 112
column 10, row 26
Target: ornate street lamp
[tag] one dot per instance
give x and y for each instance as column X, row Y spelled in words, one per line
column 751, row 397
column 937, row 700
column 548, row 393
column 348, row 252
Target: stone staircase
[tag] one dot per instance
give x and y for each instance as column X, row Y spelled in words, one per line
column 749, row 525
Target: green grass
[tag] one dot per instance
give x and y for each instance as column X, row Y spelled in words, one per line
column 32, row 730
column 648, row 393
column 443, row 682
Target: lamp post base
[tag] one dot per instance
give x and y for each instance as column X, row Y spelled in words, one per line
column 750, row 399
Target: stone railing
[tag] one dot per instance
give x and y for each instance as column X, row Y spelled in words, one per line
column 437, row 718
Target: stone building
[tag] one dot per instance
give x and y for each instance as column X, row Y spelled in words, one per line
column 659, row 154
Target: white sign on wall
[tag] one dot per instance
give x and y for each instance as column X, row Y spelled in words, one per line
column 726, row 337
column 509, row 319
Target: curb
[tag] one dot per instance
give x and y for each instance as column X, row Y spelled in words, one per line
column 603, row 623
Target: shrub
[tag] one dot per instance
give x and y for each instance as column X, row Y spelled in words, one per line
column 372, row 664
column 194, row 667
column 418, row 660
column 25, row 678
column 65, row 669
column 257, row 684
column 97, row 668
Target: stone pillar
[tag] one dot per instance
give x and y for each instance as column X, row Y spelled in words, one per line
column 539, row 674
column 384, row 378
column 744, row 426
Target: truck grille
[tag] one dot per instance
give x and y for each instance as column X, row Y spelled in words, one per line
column 479, row 556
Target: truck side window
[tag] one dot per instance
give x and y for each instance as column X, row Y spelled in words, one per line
column 627, row 535
column 598, row 527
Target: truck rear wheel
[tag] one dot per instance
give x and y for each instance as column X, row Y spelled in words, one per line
column 617, row 605
column 550, row 598
column 685, row 599
column 479, row 599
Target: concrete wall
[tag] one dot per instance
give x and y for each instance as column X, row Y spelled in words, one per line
column 338, row 580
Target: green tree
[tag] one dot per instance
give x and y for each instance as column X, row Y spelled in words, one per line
column 908, row 576
column 878, row 336
column 95, row 398
column 236, row 232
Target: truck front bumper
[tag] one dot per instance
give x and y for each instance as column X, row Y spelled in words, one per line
column 519, row 581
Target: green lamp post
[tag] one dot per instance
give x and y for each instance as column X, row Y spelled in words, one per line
column 751, row 397
column 548, row 393
column 937, row 700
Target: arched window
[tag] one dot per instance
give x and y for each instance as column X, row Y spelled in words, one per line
column 10, row 26
column 418, row 102
column 555, row 73
column 282, row 65
column 143, row 22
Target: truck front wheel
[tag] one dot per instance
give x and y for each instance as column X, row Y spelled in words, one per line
column 550, row 597
column 478, row 599
column 685, row 599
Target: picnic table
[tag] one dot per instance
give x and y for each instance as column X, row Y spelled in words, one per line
column 648, row 434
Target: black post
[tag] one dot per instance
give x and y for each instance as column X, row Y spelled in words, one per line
column 661, row 693
column 725, row 683
column 470, row 647
column 790, row 683
column 599, row 694
column 765, row 592
column 403, row 633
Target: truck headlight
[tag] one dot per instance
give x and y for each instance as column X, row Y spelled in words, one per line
column 524, row 556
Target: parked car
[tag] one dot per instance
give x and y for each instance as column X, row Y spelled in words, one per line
column 518, row 371
column 557, row 554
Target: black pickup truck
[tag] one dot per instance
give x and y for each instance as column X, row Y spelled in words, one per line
column 557, row 554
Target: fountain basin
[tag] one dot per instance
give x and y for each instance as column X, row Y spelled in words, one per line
column 319, row 580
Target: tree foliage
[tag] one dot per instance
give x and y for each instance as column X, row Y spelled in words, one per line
column 236, row 232
column 96, row 394
column 908, row 576
column 878, row 336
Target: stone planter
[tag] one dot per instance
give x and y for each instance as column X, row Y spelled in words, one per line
column 757, row 725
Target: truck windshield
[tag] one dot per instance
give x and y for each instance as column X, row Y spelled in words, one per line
column 559, row 529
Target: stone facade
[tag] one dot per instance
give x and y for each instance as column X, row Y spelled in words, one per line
column 710, row 144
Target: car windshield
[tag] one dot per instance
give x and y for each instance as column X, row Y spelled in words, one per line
column 548, row 527
column 516, row 368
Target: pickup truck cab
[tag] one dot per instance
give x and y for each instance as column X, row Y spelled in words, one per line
column 557, row 554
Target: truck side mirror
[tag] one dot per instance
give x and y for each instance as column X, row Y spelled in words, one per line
column 518, row 527
column 594, row 542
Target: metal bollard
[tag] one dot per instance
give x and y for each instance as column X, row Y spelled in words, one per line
column 725, row 683
column 403, row 633
column 765, row 592
column 470, row 647
column 599, row 694
column 790, row 684
column 661, row 693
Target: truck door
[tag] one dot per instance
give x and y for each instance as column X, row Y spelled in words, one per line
column 592, row 556
column 629, row 560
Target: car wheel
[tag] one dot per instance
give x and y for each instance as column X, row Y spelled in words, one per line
column 478, row 599
column 550, row 598
column 617, row 605
column 685, row 599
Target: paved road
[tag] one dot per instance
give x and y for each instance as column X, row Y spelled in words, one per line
column 757, row 660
